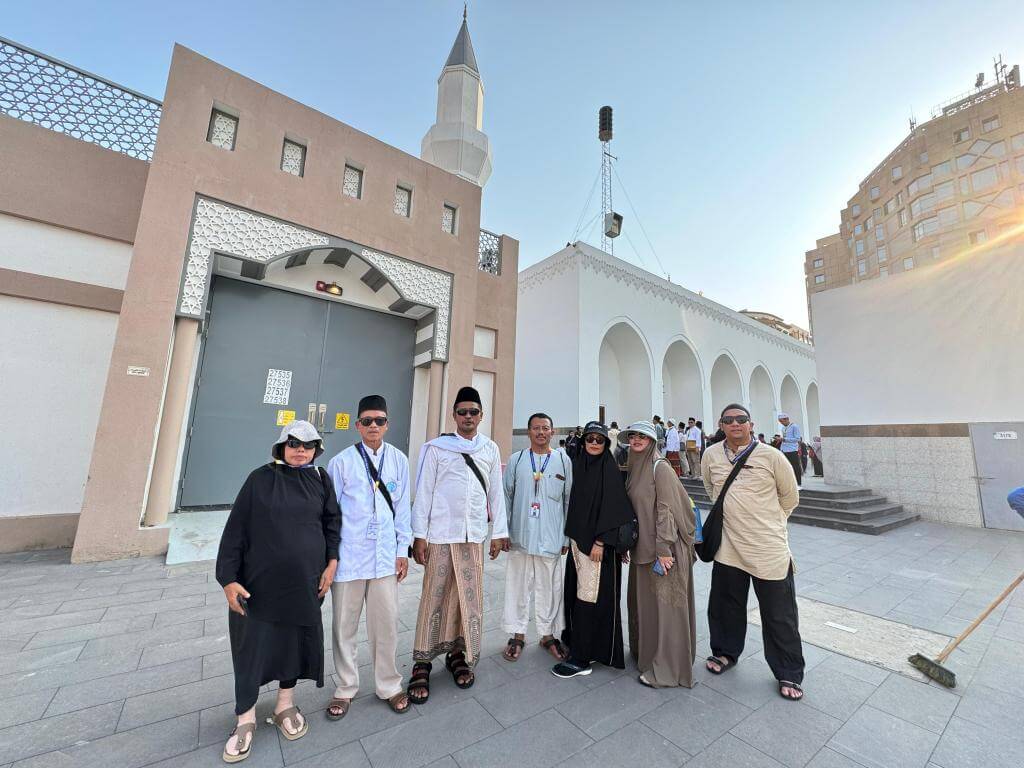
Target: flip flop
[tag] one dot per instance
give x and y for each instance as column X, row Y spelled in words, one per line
column 336, row 703
column 513, row 649
column 289, row 715
column 241, row 731
column 395, row 700
column 722, row 665
column 792, row 686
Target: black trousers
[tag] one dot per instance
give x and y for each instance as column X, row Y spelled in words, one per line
column 794, row 460
column 780, row 626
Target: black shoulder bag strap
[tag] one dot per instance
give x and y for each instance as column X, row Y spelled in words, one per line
column 375, row 476
column 712, row 528
column 476, row 471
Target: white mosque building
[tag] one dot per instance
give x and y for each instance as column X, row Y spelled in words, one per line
column 600, row 338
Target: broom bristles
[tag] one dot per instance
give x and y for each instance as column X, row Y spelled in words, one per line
column 934, row 670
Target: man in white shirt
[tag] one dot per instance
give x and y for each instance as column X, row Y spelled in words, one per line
column 371, row 480
column 672, row 447
column 458, row 493
column 693, row 445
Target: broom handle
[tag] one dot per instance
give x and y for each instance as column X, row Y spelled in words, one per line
column 974, row 624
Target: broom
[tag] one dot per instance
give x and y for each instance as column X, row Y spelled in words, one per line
column 934, row 669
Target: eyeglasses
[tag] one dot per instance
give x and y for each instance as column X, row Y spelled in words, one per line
column 594, row 439
column 294, row 442
column 380, row 421
column 468, row 412
column 736, row 419
column 637, row 436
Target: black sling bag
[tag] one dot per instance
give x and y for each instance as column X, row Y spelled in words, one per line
column 707, row 549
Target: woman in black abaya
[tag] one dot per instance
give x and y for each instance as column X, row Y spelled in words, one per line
column 277, row 559
column 598, row 508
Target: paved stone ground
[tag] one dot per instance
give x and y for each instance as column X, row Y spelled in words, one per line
column 126, row 664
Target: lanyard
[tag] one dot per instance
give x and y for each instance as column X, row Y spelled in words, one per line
column 366, row 463
column 538, row 475
column 736, row 458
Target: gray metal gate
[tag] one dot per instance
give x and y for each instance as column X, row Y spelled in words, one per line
column 999, row 457
column 269, row 350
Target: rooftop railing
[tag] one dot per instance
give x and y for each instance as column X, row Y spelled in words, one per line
column 39, row 89
column 490, row 253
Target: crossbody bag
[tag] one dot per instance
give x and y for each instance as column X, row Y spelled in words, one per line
column 712, row 528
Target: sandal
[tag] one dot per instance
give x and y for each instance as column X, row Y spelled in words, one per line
column 339, row 704
column 722, row 665
column 456, row 663
column 241, row 731
column 554, row 646
column 420, row 681
column 290, row 716
column 513, row 649
column 793, row 687
column 643, row 681
column 397, row 699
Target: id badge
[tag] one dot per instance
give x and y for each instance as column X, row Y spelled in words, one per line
column 371, row 530
column 535, row 509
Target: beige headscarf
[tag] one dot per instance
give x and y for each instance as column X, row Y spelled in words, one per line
column 642, row 492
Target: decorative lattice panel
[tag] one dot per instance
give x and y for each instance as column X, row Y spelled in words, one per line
column 353, row 182
column 490, row 253
column 293, row 158
column 403, row 201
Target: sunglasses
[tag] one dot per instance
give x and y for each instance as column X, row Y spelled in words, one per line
column 380, row 421
column 735, row 419
column 294, row 442
column 468, row 412
column 594, row 439
column 637, row 436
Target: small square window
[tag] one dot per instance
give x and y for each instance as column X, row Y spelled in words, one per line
column 899, row 197
column 908, row 263
column 448, row 219
column 403, row 201
column 222, row 130
column 962, row 134
column 879, row 233
column 819, row 279
column 293, row 158
column 819, row 263
column 890, row 206
column 862, row 267
column 923, row 158
column 855, row 210
column 990, row 123
column 978, row 236
column 882, row 254
column 860, row 247
column 877, row 214
column 897, row 172
column 874, row 193
column 859, row 229
column 353, row 183
column 903, row 217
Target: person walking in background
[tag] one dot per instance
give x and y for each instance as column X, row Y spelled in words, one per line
column 816, row 460
column 613, row 434
column 660, row 429
column 371, row 482
column 754, row 548
column 572, row 442
column 792, row 437
column 672, row 448
column 537, row 484
column 694, row 440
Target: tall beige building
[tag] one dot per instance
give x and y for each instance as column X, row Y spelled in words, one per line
column 954, row 182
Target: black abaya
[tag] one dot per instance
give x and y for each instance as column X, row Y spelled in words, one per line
column 593, row 631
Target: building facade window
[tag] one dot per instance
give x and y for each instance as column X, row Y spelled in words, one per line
column 1017, row 142
column 908, row 263
column 403, row 201
column 942, row 169
column 352, row 185
column 890, row 206
column 961, row 134
column 449, row 215
column 935, row 251
column 990, row 123
column 899, row 197
column 977, row 237
column 923, row 158
column 223, row 129
column 858, row 230
column 882, row 253
column 923, row 204
column 903, row 217
column 919, row 184
column 879, row 233
column 897, row 172
column 925, row 227
column 293, row 158
column 985, row 178
column 819, row 279
column 943, row 191
column 948, row 216
column 874, row 193
column 860, row 247
column 862, row 267
column 819, row 263
column 855, row 210
column 883, row 271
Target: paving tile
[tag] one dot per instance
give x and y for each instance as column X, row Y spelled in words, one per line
column 217, row 664
column 992, row 708
column 915, row 702
column 790, row 732
column 24, row 709
column 137, row 641
column 965, row 745
column 28, row 611
column 266, row 753
column 544, row 740
column 123, row 686
column 422, row 740
column 217, row 611
column 107, row 601
column 750, row 682
column 613, row 705
column 880, row 740
column 347, row 756
column 192, row 647
column 26, row 661
column 131, row 749
column 490, row 676
column 144, row 607
column 877, row 600
column 68, row 674
column 635, row 744
column 141, row 585
column 82, row 633
column 43, row 623
column 858, row 670
column 53, row 733
column 835, row 693
column 828, row 758
column 13, row 644
column 171, row 702
column 695, row 718
column 730, row 752
column 520, row 699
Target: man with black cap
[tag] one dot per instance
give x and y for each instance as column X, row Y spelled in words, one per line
column 371, row 480
column 458, row 493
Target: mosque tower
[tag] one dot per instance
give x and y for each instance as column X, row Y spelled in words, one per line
column 456, row 142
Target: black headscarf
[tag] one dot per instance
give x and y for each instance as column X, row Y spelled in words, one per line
column 598, row 504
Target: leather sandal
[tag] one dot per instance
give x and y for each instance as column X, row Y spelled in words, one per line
column 722, row 665
column 513, row 649
column 336, row 703
column 290, row 716
column 553, row 643
column 456, row 663
column 245, row 733
column 793, row 687
column 419, row 681
column 397, row 699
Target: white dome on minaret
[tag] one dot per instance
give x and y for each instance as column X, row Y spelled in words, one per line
column 456, row 141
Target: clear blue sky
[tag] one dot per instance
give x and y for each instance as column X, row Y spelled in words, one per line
column 742, row 128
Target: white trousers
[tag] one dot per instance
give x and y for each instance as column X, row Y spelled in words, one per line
column 381, row 598
column 541, row 577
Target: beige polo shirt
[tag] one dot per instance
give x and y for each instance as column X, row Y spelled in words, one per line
column 755, row 537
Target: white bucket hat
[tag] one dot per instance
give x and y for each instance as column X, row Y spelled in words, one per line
column 300, row 430
column 645, row 428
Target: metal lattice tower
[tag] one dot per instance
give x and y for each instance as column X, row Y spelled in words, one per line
column 604, row 134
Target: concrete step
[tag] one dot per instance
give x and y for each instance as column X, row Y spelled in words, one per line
column 871, row 527
column 882, row 509
column 835, row 492
column 845, row 502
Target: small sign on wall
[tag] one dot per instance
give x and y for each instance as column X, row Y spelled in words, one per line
column 279, row 387
column 1005, row 435
column 341, row 420
column 284, row 418
column 138, row 370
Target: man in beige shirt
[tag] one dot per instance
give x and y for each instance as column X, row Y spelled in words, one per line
column 755, row 547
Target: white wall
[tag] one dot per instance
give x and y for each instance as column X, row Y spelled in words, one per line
column 53, row 368
column 43, row 249
column 934, row 345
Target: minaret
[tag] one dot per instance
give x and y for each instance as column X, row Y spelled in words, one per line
column 456, row 142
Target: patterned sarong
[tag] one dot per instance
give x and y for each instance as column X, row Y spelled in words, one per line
column 452, row 603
